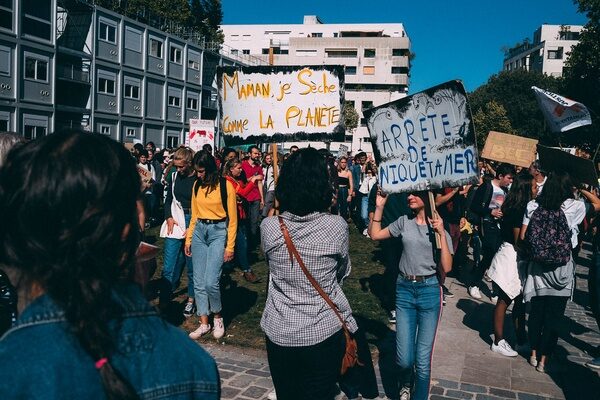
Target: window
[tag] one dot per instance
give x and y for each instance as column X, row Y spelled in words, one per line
column 174, row 101
column 369, row 70
column 6, row 14
column 192, row 103
column 568, row 35
column 246, row 51
column 555, row 54
column 132, row 90
column 33, row 132
column 34, row 126
column 265, row 51
column 246, row 37
column 5, row 60
column 306, row 53
column 341, row 53
column 172, row 142
column 234, row 52
column 194, row 60
column 105, row 129
column 399, row 70
column 350, row 70
column 107, row 32
column 37, row 19
column 130, row 132
column 235, row 37
column 133, row 39
column 369, row 53
column 399, row 52
column 175, row 55
column 316, row 34
column 335, row 34
column 156, row 48
column 36, row 69
column 366, row 104
column 106, row 82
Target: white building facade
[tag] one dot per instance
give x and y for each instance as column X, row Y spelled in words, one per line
column 376, row 58
column 547, row 53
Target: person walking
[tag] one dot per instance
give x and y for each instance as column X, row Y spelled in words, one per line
column 345, row 187
column 210, row 240
column 256, row 199
column 418, row 289
column 298, row 323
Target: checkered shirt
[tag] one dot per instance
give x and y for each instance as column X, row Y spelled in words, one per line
column 295, row 314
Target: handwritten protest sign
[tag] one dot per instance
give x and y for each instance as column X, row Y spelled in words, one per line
column 202, row 131
column 425, row 141
column 342, row 151
column 582, row 170
column 276, row 104
column 512, row 149
column 145, row 177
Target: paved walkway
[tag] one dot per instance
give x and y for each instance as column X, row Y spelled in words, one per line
column 463, row 365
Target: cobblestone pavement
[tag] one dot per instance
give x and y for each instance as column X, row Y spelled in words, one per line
column 463, row 365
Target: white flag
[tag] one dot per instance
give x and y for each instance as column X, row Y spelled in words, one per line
column 561, row 113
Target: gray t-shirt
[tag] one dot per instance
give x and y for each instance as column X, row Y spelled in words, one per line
column 417, row 254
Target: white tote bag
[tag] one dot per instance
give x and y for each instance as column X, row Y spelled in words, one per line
column 177, row 214
column 504, row 270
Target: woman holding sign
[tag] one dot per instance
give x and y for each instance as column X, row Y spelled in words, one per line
column 418, row 290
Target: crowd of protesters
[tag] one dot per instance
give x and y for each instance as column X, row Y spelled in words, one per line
column 524, row 225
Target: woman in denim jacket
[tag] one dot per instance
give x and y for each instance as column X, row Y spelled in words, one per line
column 68, row 238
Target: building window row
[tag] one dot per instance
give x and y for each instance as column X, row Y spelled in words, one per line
column 6, row 14
column 555, row 54
column 107, row 32
column 36, row 69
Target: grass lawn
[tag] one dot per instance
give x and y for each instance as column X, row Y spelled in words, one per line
column 243, row 302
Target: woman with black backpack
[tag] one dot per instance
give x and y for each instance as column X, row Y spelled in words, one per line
column 550, row 229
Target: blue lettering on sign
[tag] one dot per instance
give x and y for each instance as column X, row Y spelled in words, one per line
column 410, row 133
column 446, row 123
column 383, row 174
column 410, row 170
column 470, row 161
column 423, row 129
column 403, row 176
column 423, row 153
column 413, row 155
column 385, row 140
column 432, row 117
column 393, row 167
column 422, row 169
column 396, row 129
column 458, row 160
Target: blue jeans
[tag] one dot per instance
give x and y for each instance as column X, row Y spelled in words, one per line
column 208, row 248
column 418, row 308
column 174, row 259
column 241, row 249
column 364, row 209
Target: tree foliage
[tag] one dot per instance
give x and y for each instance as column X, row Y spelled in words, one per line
column 512, row 91
column 206, row 16
column 350, row 117
column 491, row 117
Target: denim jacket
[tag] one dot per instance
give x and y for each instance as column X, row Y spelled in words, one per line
column 41, row 359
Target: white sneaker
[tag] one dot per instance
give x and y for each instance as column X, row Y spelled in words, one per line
column 504, row 348
column 405, row 393
column 219, row 328
column 474, row 292
column 366, row 232
column 201, row 331
column 272, row 395
column 494, row 299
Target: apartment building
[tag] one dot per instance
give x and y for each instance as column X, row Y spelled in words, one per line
column 548, row 51
column 70, row 64
column 376, row 58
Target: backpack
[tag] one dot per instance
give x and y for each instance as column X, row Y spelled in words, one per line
column 549, row 237
column 222, row 187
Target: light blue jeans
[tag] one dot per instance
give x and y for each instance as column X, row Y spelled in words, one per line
column 174, row 259
column 208, row 248
column 364, row 209
column 418, row 308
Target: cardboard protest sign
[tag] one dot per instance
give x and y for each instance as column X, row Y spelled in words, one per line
column 202, row 131
column 145, row 177
column 276, row 104
column 342, row 151
column 425, row 141
column 512, row 149
column 582, row 170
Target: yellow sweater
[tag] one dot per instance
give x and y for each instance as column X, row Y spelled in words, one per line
column 209, row 206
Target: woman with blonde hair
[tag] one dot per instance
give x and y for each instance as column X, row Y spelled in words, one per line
column 345, row 187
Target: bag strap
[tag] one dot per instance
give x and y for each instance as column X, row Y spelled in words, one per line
column 294, row 253
column 223, row 188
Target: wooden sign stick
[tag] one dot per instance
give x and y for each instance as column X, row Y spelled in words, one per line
column 433, row 211
column 275, row 163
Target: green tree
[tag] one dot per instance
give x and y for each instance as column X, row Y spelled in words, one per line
column 350, row 117
column 206, row 17
column 582, row 72
column 512, row 91
column 491, row 117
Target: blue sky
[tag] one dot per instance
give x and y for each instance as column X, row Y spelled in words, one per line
column 459, row 39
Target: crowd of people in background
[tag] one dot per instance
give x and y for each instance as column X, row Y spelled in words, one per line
column 220, row 207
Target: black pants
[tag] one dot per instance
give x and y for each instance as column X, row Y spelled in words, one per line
column 392, row 251
column 545, row 319
column 307, row 372
column 594, row 286
column 490, row 243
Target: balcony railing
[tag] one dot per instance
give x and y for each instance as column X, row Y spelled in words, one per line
column 72, row 73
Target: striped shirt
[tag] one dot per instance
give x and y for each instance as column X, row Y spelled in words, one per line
column 295, row 314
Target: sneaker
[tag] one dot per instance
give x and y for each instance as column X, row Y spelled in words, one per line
column 272, row 395
column 392, row 317
column 405, row 393
column 443, row 299
column 594, row 364
column 219, row 328
column 494, row 299
column 447, row 292
column 366, row 232
column 201, row 331
column 474, row 292
column 251, row 277
column 533, row 361
column 189, row 309
column 540, row 368
column 504, row 348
